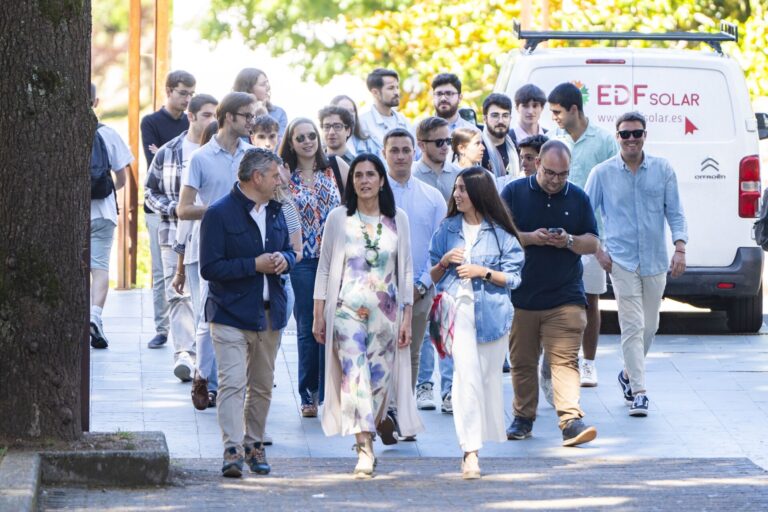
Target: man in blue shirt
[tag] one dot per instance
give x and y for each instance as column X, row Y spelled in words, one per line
column 244, row 249
column 635, row 193
column 556, row 226
column 426, row 208
column 590, row 145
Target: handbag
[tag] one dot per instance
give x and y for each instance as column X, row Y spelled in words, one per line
column 442, row 320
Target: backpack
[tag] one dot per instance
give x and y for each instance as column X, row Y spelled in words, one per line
column 101, row 170
column 760, row 228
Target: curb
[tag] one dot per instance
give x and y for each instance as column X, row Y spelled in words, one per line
column 19, row 481
column 143, row 462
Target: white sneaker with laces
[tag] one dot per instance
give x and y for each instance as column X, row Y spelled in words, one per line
column 447, row 406
column 184, row 367
column 588, row 374
column 425, row 400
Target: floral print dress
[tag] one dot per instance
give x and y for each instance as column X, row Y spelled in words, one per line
column 364, row 329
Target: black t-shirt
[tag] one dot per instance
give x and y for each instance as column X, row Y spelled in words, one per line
column 158, row 128
column 502, row 151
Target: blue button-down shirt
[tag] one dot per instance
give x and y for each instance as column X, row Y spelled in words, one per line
column 594, row 146
column 633, row 207
column 425, row 208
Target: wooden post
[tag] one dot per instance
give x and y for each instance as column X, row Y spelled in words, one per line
column 128, row 197
column 162, row 52
column 525, row 15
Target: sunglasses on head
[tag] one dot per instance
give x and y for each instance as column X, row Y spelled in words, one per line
column 637, row 134
column 301, row 138
column 439, row 142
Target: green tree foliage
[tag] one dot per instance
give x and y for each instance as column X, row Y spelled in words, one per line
column 420, row 38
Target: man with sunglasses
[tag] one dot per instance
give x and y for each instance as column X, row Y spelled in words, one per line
column 158, row 128
column 556, row 226
column 212, row 172
column 636, row 193
column 433, row 168
column 590, row 145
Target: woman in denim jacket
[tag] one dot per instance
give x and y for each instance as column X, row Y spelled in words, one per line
column 477, row 259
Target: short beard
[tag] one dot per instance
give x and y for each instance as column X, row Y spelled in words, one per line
column 451, row 112
column 498, row 134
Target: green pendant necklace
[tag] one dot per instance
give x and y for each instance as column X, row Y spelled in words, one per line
column 371, row 248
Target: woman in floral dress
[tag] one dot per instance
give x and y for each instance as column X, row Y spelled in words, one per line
column 363, row 303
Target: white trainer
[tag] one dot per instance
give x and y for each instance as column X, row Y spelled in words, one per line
column 588, row 374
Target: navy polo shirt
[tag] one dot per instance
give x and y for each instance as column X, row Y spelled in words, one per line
column 551, row 277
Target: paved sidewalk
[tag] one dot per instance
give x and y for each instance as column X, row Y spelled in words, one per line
column 434, row 484
column 709, row 398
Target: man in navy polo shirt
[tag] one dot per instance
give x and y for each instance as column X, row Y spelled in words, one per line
column 557, row 226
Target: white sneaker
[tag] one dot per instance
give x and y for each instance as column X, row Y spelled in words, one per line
column 546, row 387
column 588, row 374
column 184, row 368
column 447, row 406
column 425, row 400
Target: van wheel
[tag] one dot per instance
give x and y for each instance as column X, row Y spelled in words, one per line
column 746, row 315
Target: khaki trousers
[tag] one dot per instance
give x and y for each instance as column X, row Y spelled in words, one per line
column 558, row 331
column 639, row 300
column 418, row 329
column 246, row 368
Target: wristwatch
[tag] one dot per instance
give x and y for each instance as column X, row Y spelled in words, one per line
column 420, row 288
column 569, row 243
column 487, row 276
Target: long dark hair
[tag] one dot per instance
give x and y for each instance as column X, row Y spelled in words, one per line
column 481, row 190
column 357, row 131
column 288, row 154
column 386, row 197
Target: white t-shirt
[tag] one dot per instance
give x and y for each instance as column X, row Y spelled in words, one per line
column 260, row 216
column 470, row 232
column 188, row 231
column 119, row 157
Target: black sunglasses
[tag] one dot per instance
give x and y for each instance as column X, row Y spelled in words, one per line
column 438, row 142
column 301, row 138
column 637, row 134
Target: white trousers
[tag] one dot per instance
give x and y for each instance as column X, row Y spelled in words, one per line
column 639, row 300
column 478, row 392
column 181, row 313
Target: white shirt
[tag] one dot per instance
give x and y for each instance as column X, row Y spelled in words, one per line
column 260, row 216
column 470, row 232
column 521, row 134
column 119, row 157
column 188, row 231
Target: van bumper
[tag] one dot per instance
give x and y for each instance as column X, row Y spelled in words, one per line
column 699, row 284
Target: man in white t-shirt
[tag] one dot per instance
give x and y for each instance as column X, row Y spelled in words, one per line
column 103, row 223
column 529, row 103
column 161, row 195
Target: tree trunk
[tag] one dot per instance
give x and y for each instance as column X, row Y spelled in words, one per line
column 46, row 132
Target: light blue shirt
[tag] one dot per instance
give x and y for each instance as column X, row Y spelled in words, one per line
column 377, row 125
column 425, row 208
column 595, row 145
column 634, row 207
column 442, row 182
column 213, row 170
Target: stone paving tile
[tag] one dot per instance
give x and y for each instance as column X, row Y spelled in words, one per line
column 405, row 484
column 709, row 396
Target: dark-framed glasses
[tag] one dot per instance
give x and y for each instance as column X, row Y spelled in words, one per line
column 336, row 127
column 549, row 173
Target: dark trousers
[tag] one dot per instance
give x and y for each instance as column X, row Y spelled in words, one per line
column 311, row 353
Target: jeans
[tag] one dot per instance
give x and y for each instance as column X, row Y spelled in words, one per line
column 311, row 353
column 427, row 367
column 206, row 358
column 159, row 302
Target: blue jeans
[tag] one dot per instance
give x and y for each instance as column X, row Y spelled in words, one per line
column 311, row 353
column 427, row 367
column 159, row 302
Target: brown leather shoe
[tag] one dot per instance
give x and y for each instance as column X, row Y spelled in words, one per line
column 200, row 393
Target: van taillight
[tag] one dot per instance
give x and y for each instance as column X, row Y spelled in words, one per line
column 749, row 186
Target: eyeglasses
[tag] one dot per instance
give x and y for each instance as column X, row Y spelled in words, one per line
column 497, row 115
column 637, row 134
column 552, row 174
column 438, row 142
column 445, row 94
column 301, row 138
column 336, row 127
column 247, row 115
column 184, row 93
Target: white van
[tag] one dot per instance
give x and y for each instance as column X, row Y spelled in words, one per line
column 699, row 117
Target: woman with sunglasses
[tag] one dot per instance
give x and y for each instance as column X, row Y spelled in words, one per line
column 477, row 259
column 363, row 307
column 467, row 145
column 314, row 192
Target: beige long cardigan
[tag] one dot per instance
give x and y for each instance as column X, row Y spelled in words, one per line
column 327, row 286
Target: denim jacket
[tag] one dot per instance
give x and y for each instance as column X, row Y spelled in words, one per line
column 495, row 249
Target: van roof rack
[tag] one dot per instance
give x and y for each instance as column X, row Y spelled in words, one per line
column 728, row 33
